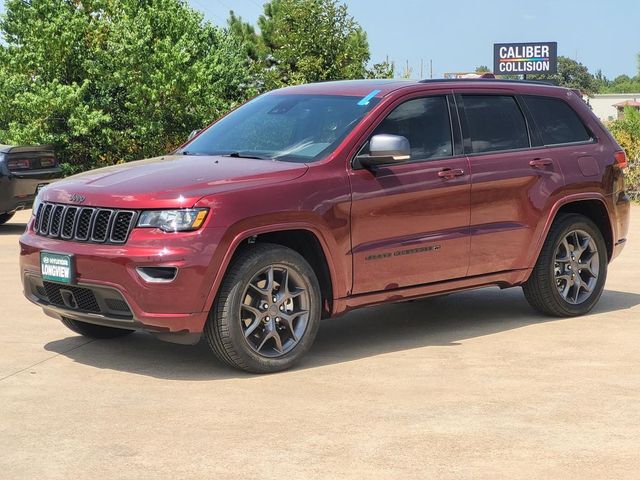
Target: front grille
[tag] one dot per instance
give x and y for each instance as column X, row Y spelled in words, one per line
column 101, row 225
column 84, row 298
column 121, row 225
column 84, row 224
column 68, row 222
column 56, row 220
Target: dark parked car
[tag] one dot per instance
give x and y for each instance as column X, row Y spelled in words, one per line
column 313, row 200
column 24, row 171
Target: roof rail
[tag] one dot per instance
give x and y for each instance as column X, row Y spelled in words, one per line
column 454, row 80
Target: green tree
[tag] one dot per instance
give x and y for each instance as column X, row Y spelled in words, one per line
column 106, row 81
column 384, row 69
column 301, row 41
column 571, row 74
column 482, row 69
column 627, row 133
column 601, row 81
column 623, row 84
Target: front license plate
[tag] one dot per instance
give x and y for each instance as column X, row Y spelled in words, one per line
column 56, row 267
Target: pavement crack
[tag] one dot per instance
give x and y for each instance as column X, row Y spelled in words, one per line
column 46, row 360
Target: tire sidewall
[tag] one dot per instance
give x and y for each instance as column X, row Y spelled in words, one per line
column 243, row 274
column 594, row 232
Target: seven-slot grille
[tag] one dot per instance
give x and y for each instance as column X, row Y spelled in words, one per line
column 84, row 224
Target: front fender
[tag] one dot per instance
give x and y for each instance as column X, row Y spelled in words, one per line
column 339, row 269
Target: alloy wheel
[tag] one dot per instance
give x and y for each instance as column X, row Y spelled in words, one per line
column 576, row 266
column 275, row 311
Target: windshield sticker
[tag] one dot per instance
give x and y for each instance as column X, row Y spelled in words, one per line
column 367, row 99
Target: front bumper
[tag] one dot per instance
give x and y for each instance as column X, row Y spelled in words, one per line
column 174, row 311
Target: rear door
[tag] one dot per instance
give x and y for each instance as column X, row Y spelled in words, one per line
column 513, row 177
column 410, row 221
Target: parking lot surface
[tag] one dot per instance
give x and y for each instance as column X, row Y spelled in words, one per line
column 472, row 385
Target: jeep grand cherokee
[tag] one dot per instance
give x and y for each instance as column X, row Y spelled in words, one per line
column 313, row 200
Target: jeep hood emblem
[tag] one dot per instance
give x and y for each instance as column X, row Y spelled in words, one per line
column 77, row 198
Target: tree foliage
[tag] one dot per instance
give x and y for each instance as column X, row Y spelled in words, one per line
column 571, row 74
column 627, row 133
column 107, row 81
column 301, row 41
column 621, row 84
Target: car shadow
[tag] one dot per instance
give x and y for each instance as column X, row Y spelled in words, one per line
column 13, row 228
column 438, row 321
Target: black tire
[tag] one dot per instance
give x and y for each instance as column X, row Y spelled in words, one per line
column 225, row 329
column 541, row 290
column 5, row 217
column 94, row 331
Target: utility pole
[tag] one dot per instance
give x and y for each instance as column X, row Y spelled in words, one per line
column 430, row 68
column 421, row 69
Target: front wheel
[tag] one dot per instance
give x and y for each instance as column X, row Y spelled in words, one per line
column 571, row 270
column 267, row 311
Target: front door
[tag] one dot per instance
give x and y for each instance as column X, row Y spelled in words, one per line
column 410, row 221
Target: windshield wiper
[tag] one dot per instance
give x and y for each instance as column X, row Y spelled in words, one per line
column 242, row 155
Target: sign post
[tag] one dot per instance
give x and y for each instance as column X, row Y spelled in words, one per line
column 525, row 58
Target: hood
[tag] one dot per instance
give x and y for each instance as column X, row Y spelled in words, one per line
column 170, row 181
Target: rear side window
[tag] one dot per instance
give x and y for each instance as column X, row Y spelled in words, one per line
column 557, row 121
column 495, row 122
column 425, row 123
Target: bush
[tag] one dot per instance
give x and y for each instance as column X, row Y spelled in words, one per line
column 107, row 82
column 627, row 132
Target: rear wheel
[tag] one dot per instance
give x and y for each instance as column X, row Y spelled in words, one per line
column 267, row 312
column 569, row 276
column 94, row 331
column 5, row 217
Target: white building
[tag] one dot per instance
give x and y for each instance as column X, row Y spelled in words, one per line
column 610, row 106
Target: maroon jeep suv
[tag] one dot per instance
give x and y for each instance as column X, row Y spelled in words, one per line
column 310, row 201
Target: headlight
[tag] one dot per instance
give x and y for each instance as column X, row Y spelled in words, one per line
column 181, row 220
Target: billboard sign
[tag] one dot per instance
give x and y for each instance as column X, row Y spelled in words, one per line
column 524, row 58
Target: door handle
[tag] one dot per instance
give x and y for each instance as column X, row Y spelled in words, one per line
column 540, row 162
column 448, row 173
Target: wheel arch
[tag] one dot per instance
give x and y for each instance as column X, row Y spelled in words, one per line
column 303, row 238
column 592, row 206
column 596, row 211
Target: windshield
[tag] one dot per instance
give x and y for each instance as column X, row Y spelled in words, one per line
column 295, row 128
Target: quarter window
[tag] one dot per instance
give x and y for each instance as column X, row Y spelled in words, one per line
column 495, row 122
column 425, row 123
column 557, row 121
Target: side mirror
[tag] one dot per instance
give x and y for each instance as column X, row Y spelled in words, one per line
column 386, row 149
column 193, row 134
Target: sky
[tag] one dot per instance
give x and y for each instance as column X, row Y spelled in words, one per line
column 458, row 35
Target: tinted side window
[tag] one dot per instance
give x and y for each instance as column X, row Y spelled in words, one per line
column 557, row 121
column 425, row 123
column 495, row 122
